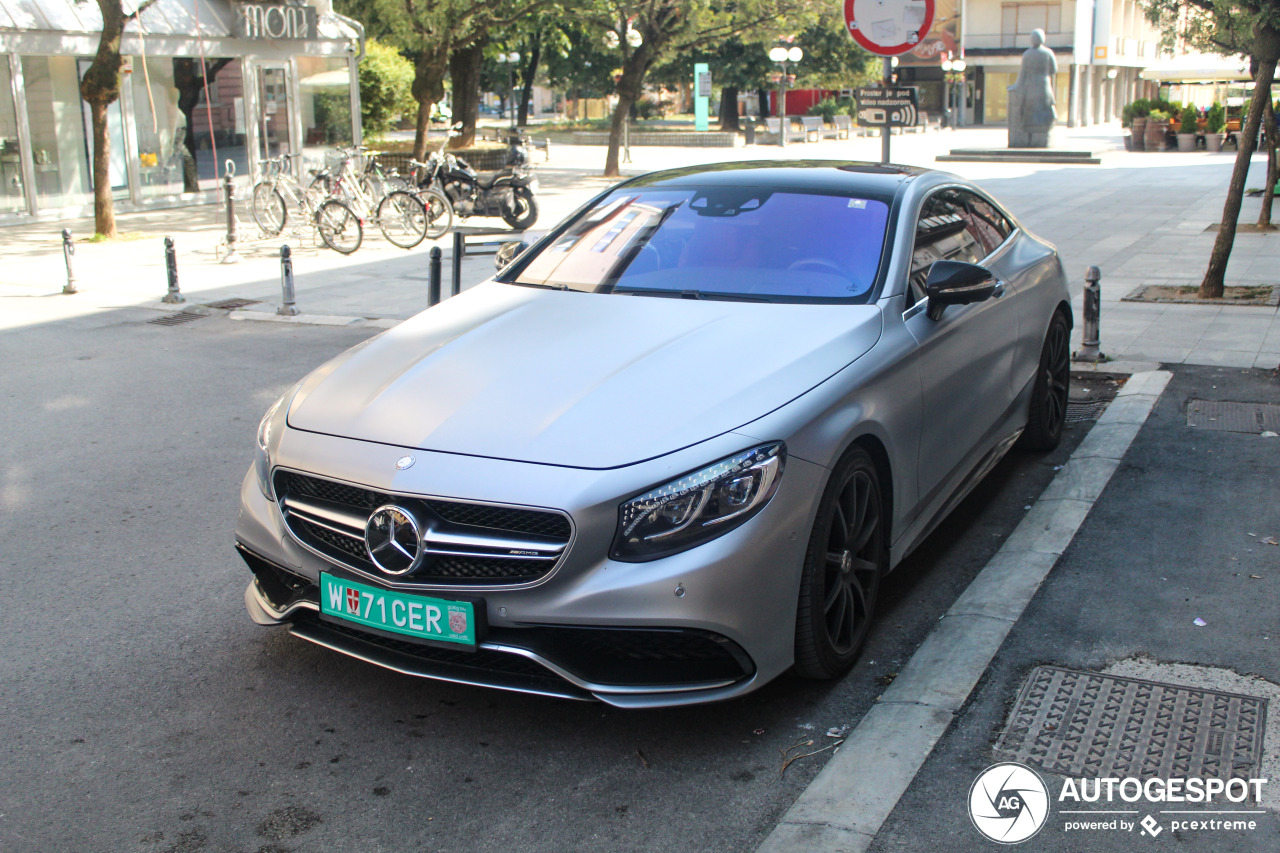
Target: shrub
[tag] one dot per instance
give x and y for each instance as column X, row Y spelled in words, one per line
column 385, row 81
column 827, row 108
column 1216, row 118
column 1189, row 117
column 1158, row 115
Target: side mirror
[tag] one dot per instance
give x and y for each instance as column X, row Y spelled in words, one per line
column 958, row 283
column 507, row 253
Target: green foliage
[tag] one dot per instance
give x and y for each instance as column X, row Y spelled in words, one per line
column 385, row 81
column 1216, row 118
column 1157, row 115
column 827, row 108
column 1135, row 109
column 1189, row 123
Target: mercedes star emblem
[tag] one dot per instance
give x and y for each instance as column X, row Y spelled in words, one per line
column 394, row 540
column 405, row 462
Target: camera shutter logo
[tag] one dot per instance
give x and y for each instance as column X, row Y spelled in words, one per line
column 1008, row 803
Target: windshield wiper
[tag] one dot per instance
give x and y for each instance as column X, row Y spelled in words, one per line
column 689, row 294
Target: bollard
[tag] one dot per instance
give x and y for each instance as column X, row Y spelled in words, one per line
column 749, row 129
column 229, row 184
column 288, row 308
column 433, row 278
column 68, row 249
column 1092, row 315
column 174, row 296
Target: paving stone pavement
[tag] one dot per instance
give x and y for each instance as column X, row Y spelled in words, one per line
column 1142, row 217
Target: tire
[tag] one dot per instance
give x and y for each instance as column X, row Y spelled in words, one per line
column 525, row 212
column 1052, row 388
column 439, row 213
column 847, row 554
column 269, row 209
column 339, row 227
column 402, row 218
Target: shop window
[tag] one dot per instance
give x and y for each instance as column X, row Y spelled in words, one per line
column 12, row 193
column 1017, row 20
column 325, row 88
column 58, row 141
column 178, row 133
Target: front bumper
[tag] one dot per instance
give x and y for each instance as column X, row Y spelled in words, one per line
column 593, row 628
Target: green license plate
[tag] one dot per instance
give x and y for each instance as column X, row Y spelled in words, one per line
column 387, row 610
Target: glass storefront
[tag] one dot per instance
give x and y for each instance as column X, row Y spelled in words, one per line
column 325, row 88
column 178, row 134
column 997, row 95
column 55, row 115
column 12, row 194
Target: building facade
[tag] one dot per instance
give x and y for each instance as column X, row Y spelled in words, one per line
column 206, row 83
column 1102, row 46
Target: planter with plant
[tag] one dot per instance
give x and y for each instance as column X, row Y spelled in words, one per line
column 1188, row 126
column 1215, row 121
column 1157, row 128
column 1135, row 115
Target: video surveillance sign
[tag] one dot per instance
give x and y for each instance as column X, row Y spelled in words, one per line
column 888, row 106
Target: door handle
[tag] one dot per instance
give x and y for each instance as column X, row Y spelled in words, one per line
column 999, row 289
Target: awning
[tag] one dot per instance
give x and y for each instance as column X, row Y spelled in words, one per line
column 162, row 18
column 1195, row 68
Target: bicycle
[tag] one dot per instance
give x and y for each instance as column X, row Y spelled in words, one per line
column 404, row 218
column 279, row 192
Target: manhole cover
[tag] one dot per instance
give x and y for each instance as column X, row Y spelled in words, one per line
column 1084, row 724
column 1085, row 410
column 1233, row 417
column 232, row 304
column 177, row 318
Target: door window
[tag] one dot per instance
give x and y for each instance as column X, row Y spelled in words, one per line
column 954, row 225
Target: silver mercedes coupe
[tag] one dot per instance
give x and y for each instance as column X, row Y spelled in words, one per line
column 668, row 451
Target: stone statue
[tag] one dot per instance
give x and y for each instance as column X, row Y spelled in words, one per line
column 1031, row 100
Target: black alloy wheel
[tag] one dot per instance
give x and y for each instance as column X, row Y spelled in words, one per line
column 847, row 554
column 1048, row 413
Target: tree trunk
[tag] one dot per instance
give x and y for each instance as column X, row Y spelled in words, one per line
column 1215, row 276
column 729, row 108
column 621, row 114
column 1268, row 195
column 464, row 70
column 99, row 89
column 421, row 130
column 190, row 85
column 530, row 71
column 763, row 96
column 429, row 68
column 104, row 211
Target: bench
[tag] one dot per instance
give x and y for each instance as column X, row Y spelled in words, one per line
column 844, row 126
column 775, row 127
column 818, row 130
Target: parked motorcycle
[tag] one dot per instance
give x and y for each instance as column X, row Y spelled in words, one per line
column 508, row 193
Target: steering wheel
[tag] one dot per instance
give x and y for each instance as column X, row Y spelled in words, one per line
column 826, row 267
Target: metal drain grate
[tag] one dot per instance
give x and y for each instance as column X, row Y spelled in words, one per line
column 1233, row 417
column 177, row 318
column 1084, row 410
column 1085, row 724
column 232, row 304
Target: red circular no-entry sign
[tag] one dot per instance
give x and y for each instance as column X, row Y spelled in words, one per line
column 888, row 27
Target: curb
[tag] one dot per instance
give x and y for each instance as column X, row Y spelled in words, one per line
column 846, row 804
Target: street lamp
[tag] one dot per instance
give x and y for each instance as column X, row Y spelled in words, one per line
column 782, row 55
column 510, row 60
column 953, row 72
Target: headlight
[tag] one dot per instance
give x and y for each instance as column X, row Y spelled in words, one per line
column 268, row 433
column 699, row 506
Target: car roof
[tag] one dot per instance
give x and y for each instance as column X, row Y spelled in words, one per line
column 841, row 176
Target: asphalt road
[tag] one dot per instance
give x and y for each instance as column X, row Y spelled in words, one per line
column 143, row 711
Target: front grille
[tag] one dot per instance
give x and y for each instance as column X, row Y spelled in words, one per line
column 502, row 545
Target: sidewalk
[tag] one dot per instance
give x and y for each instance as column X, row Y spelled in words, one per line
column 1141, row 217
column 1199, row 608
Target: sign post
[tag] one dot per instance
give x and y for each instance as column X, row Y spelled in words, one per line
column 888, row 28
column 701, row 95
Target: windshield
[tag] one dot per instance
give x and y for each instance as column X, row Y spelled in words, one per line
column 718, row 243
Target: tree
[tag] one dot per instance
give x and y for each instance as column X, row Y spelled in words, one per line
column 385, row 81
column 190, row 77
column 428, row 32
column 646, row 31
column 100, row 88
column 1232, row 27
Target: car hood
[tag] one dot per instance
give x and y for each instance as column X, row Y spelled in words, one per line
column 578, row 379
